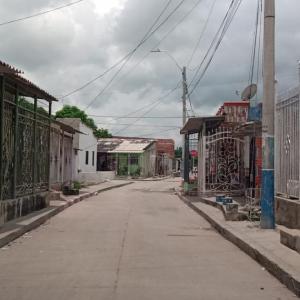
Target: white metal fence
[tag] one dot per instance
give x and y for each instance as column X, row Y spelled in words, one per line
column 287, row 130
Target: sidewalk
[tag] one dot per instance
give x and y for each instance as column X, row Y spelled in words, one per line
column 262, row 245
column 14, row 229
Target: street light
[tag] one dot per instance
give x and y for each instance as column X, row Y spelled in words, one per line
column 185, row 144
column 168, row 53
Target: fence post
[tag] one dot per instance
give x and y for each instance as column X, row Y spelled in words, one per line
column 16, row 139
column 34, row 146
column 2, row 92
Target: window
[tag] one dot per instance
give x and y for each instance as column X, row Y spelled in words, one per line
column 86, row 157
column 93, row 158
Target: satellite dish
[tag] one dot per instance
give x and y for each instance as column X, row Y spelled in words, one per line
column 249, row 92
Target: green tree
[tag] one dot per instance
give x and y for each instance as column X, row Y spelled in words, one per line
column 30, row 106
column 178, row 152
column 69, row 111
column 102, row 133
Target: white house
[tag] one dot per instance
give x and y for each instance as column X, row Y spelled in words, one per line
column 85, row 150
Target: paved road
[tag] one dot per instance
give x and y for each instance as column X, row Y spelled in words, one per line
column 138, row 242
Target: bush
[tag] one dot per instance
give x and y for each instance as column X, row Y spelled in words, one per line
column 76, row 185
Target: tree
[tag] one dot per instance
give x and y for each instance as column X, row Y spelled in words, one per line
column 102, row 133
column 69, row 111
column 178, row 152
column 22, row 102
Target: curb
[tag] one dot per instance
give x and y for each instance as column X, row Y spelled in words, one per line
column 51, row 213
column 283, row 276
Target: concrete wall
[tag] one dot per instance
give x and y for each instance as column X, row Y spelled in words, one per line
column 15, row 208
column 104, row 175
column 288, row 212
column 87, row 144
column 83, row 142
column 149, row 161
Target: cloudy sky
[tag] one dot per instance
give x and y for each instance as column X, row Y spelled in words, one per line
column 63, row 50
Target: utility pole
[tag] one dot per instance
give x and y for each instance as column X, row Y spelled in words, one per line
column 267, row 196
column 299, row 71
column 184, row 93
column 185, row 142
column 184, row 88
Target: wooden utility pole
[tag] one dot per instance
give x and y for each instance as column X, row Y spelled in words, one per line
column 185, row 142
column 267, row 197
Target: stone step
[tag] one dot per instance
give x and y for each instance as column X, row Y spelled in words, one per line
column 290, row 238
column 54, row 195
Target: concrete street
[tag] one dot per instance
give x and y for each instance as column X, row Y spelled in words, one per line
column 136, row 242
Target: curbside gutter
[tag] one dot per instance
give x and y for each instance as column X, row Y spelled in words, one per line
column 285, row 277
column 40, row 217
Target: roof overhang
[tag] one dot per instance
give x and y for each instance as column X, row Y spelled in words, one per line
column 25, row 87
column 67, row 128
column 195, row 125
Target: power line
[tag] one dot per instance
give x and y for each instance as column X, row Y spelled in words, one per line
column 162, row 39
column 202, row 33
column 216, row 42
column 40, row 13
column 131, row 117
column 254, row 47
column 128, row 55
column 148, row 53
column 158, row 132
column 148, row 34
column 143, row 115
column 140, row 125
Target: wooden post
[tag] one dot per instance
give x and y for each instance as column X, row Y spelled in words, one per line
column 128, row 164
column 62, row 158
column 2, row 92
column 34, row 146
column 49, row 144
column 16, row 139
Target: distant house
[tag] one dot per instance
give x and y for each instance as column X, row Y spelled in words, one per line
column 165, row 160
column 62, row 154
column 127, row 157
column 85, row 151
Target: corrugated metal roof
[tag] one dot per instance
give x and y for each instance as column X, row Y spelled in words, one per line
column 113, row 145
column 27, row 88
column 194, row 125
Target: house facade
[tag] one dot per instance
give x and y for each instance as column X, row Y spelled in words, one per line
column 125, row 157
column 62, row 155
column 85, row 152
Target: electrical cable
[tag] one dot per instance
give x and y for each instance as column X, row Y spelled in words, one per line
column 216, row 41
column 131, row 117
column 254, row 47
column 40, row 13
column 201, row 34
column 143, row 115
column 140, row 125
column 129, row 54
column 148, row 34
column 162, row 39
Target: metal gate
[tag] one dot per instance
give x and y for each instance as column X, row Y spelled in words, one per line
column 224, row 158
column 288, row 144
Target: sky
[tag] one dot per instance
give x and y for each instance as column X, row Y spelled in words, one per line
column 62, row 50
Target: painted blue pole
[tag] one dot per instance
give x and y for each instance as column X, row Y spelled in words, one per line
column 267, row 196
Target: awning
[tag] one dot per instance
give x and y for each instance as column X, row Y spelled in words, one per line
column 195, row 125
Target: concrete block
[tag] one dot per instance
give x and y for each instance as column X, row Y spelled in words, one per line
column 291, row 239
column 287, row 212
column 232, row 208
column 54, row 196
